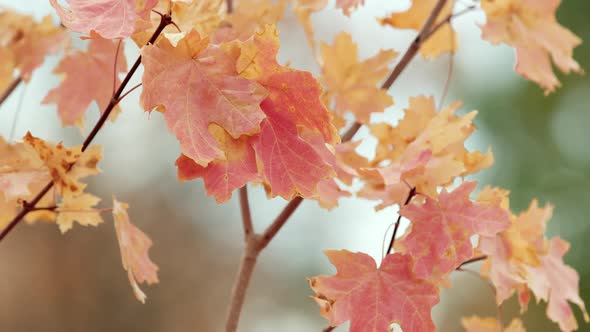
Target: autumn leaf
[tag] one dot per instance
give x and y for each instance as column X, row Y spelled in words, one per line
column 22, row 175
column 249, row 17
column 557, row 283
column 352, row 84
column 201, row 16
column 348, row 5
column 531, row 28
column 223, row 176
column 197, row 87
column 442, row 41
column 134, row 245
column 422, row 131
column 67, row 165
column 24, row 43
column 476, row 324
column 87, row 76
column 439, row 238
column 78, row 208
column 521, row 258
column 108, row 18
column 373, row 298
column 20, row 168
column 291, row 166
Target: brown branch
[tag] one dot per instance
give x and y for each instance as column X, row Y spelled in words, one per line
column 30, row 206
column 238, row 295
column 230, row 6
column 246, row 215
column 10, row 89
column 329, row 329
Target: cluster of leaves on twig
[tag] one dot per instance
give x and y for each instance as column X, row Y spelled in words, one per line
column 211, row 70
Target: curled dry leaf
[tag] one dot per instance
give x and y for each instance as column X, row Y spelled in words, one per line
column 67, row 165
column 134, row 245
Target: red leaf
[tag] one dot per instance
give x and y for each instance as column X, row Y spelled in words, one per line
column 373, row 298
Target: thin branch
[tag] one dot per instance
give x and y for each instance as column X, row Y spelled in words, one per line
column 44, row 208
column 246, row 215
column 329, row 329
column 411, row 194
column 472, row 260
column 115, row 66
column 279, row 222
column 238, row 295
column 166, row 19
column 230, row 6
column 10, row 89
column 128, row 92
column 412, row 50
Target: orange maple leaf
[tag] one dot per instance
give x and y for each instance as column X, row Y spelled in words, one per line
column 531, row 28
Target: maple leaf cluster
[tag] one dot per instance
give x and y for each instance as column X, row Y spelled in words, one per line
column 242, row 117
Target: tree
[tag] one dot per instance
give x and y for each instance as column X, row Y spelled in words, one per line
column 242, row 117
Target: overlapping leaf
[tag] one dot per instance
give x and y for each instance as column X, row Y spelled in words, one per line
column 87, row 76
column 521, row 258
column 439, row 237
column 67, row 165
column 197, row 85
column 351, row 84
column 424, row 150
column 24, row 43
column 108, row 18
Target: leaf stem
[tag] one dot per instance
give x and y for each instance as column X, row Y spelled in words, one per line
column 10, row 89
column 164, row 21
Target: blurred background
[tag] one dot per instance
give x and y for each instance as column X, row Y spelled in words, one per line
column 75, row 282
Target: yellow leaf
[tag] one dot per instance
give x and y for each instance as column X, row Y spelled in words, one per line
column 79, row 208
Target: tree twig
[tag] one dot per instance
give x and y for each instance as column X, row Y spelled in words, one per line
column 10, row 89
column 246, row 215
column 165, row 20
column 472, row 260
column 230, row 6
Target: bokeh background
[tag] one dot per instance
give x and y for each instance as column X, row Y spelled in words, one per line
column 75, row 282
